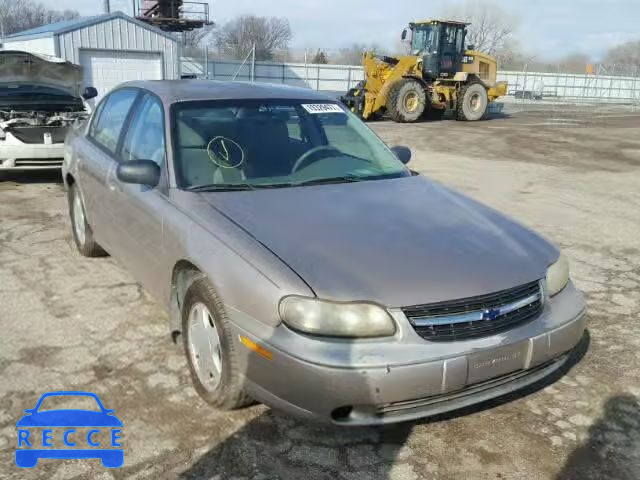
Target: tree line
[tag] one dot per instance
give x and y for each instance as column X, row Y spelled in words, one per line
column 16, row 16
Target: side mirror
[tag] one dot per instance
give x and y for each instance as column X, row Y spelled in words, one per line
column 139, row 172
column 404, row 34
column 89, row 93
column 403, row 153
column 471, row 47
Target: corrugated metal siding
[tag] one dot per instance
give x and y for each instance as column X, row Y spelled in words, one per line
column 120, row 34
column 44, row 45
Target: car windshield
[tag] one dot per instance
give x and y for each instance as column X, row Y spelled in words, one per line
column 425, row 39
column 275, row 143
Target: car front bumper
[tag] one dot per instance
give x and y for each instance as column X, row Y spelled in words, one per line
column 378, row 382
column 15, row 155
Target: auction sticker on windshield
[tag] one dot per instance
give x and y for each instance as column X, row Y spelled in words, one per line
column 322, row 108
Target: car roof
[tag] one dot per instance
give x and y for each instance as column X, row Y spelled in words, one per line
column 172, row 91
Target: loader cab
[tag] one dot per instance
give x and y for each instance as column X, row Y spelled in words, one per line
column 440, row 45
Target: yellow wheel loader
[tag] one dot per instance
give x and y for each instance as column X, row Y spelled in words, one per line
column 440, row 74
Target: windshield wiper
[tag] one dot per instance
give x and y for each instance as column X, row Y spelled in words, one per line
column 345, row 179
column 329, row 180
column 220, row 187
column 232, row 187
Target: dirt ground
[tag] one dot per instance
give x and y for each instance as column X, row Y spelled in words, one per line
column 70, row 323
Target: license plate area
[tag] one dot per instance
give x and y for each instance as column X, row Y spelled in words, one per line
column 493, row 363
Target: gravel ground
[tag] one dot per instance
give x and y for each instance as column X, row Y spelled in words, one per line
column 74, row 323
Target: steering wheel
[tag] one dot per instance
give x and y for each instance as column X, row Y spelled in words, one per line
column 306, row 155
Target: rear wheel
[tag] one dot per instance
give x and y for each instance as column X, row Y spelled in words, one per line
column 82, row 232
column 407, row 101
column 472, row 102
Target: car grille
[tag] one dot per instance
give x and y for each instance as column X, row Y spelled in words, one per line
column 477, row 317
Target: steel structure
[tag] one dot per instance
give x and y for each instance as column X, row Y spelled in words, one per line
column 172, row 15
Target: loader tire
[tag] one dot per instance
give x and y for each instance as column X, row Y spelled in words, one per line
column 472, row 102
column 407, row 101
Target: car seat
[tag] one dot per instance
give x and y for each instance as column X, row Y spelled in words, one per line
column 267, row 141
column 196, row 166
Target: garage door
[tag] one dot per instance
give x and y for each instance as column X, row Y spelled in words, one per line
column 104, row 69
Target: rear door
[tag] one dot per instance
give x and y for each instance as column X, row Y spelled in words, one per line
column 97, row 162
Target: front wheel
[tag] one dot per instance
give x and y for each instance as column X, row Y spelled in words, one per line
column 407, row 101
column 208, row 343
column 472, row 102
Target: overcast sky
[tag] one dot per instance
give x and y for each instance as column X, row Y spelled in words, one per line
column 547, row 28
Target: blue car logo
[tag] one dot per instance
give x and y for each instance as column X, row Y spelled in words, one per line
column 66, row 421
column 491, row 314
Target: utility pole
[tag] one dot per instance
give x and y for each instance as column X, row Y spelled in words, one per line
column 253, row 63
column 107, row 6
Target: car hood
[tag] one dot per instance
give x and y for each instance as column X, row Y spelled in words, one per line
column 28, row 68
column 397, row 242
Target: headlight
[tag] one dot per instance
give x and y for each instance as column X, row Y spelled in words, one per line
column 319, row 317
column 558, row 276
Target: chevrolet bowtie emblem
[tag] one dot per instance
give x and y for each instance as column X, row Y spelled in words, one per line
column 491, row 314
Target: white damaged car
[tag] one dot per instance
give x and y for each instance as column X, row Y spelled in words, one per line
column 40, row 98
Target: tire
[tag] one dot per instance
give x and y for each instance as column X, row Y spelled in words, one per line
column 407, row 101
column 82, row 232
column 472, row 102
column 223, row 388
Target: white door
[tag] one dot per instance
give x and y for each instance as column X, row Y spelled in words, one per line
column 104, row 69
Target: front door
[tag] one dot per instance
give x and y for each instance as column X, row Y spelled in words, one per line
column 451, row 49
column 138, row 209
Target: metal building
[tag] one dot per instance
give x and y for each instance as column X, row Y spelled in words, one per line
column 111, row 48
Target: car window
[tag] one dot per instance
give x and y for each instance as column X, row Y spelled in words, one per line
column 112, row 118
column 95, row 118
column 145, row 137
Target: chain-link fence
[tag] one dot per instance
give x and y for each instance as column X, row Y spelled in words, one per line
column 607, row 87
column 615, row 87
column 322, row 77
